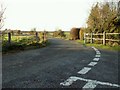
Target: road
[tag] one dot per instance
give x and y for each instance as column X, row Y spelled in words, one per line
column 63, row 64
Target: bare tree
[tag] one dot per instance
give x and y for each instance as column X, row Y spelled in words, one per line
column 2, row 10
column 119, row 8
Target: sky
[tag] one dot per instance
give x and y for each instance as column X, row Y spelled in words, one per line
column 46, row 15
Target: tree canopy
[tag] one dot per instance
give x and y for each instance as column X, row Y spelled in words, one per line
column 103, row 17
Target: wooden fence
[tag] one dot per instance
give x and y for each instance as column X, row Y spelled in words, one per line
column 44, row 36
column 91, row 38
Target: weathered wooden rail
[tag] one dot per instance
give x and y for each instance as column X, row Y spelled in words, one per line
column 9, row 35
column 90, row 36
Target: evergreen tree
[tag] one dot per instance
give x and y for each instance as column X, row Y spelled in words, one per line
column 102, row 18
column 94, row 19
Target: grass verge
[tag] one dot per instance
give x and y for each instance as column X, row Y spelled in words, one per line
column 16, row 47
column 100, row 46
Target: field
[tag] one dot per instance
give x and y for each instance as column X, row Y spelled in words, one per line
column 22, row 42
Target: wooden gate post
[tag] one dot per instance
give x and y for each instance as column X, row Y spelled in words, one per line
column 104, row 38
column 9, row 38
column 91, row 37
column 36, row 34
column 43, row 36
column 37, row 38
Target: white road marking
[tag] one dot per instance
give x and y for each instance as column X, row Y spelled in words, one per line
column 93, row 47
column 92, row 63
column 97, row 51
column 97, row 55
column 84, row 70
column 90, row 84
column 96, row 59
column 70, row 80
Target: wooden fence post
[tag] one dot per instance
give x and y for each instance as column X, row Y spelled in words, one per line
column 9, row 38
column 91, row 37
column 43, row 36
column 84, row 38
column 37, row 38
column 104, row 38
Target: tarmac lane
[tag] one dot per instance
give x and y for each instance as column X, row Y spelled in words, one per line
column 63, row 64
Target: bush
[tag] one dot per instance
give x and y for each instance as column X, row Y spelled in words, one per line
column 98, row 41
column 13, row 46
column 81, row 34
column 74, row 33
column 59, row 33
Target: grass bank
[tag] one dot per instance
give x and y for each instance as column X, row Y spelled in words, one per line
column 16, row 47
column 100, row 46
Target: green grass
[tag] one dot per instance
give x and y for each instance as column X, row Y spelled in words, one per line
column 13, row 38
column 67, row 35
column 100, row 46
column 22, row 43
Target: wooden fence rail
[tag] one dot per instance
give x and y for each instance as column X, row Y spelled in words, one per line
column 9, row 35
column 90, row 36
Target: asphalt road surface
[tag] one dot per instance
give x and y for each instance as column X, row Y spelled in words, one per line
column 63, row 64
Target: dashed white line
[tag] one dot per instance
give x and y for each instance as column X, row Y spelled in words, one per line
column 70, row 80
column 94, row 48
column 84, row 70
column 92, row 63
column 90, row 84
column 96, row 59
column 97, row 55
column 98, row 52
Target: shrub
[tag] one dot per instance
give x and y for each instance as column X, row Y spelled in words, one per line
column 59, row 33
column 13, row 46
column 74, row 33
column 81, row 34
